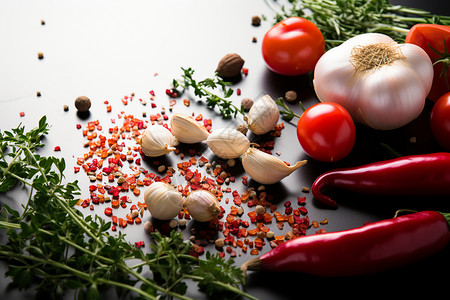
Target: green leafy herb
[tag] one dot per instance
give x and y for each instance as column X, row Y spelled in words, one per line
column 203, row 89
column 340, row 20
column 53, row 246
column 286, row 112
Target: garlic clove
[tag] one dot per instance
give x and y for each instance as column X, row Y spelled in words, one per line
column 263, row 115
column 202, row 205
column 157, row 140
column 266, row 168
column 227, row 143
column 163, row 201
column 187, row 130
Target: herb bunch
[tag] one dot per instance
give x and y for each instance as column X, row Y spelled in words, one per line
column 203, row 89
column 52, row 246
column 339, row 20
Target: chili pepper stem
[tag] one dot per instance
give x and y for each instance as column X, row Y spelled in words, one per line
column 253, row 264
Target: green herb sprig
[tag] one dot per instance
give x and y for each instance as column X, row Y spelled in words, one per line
column 51, row 245
column 203, row 89
column 339, row 20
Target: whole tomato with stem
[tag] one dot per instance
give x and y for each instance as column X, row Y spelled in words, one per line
column 293, row 46
column 440, row 121
column 326, row 132
column 435, row 40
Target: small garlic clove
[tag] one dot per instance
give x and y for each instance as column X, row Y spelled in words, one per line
column 187, row 130
column 157, row 140
column 202, row 205
column 227, row 143
column 266, row 168
column 263, row 115
column 163, row 201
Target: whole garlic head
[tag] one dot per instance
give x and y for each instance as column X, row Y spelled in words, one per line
column 202, row 205
column 163, row 201
column 381, row 83
column 263, row 115
column 157, row 140
column 266, row 168
column 187, row 130
column 227, row 143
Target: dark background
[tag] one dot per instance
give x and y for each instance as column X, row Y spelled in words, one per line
column 109, row 49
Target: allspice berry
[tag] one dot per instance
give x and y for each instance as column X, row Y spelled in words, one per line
column 230, row 65
column 82, row 103
column 256, row 20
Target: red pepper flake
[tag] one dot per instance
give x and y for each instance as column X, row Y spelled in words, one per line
column 22, row 114
column 108, row 211
column 245, row 71
column 238, row 92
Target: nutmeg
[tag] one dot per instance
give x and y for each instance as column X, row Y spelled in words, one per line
column 230, row 65
column 82, row 103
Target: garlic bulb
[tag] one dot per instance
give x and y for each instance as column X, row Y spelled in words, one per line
column 382, row 84
column 187, row 130
column 157, row 140
column 263, row 115
column 266, row 168
column 163, row 200
column 202, row 205
column 227, row 143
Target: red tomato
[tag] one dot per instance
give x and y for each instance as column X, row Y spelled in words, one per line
column 293, row 46
column 437, row 37
column 440, row 121
column 326, row 132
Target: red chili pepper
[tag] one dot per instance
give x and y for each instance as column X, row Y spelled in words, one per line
column 425, row 174
column 371, row 248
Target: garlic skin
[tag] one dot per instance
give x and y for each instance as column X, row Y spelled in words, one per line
column 227, row 143
column 202, row 205
column 163, row 200
column 385, row 92
column 157, row 140
column 187, row 130
column 263, row 115
column 266, row 168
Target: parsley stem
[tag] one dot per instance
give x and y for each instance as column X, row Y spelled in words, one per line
column 223, row 285
column 85, row 276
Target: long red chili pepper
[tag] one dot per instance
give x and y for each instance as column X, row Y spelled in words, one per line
column 425, row 174
column 371, row 248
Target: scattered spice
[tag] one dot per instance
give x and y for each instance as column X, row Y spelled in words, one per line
column 290, row 96
column 256, row 20
column 40, row 55
column 230, row 65
column 82, row 103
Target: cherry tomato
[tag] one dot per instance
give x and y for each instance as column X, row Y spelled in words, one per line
column 293, row 46
column 437, row 37
column 440, row 121
column 326, row 132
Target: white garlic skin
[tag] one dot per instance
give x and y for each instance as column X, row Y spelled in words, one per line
column 266, row 168
column 227, row 143
column 202, row 205
column 263, row 115
column 187, row 130
column 157, row 141
column 163, row 201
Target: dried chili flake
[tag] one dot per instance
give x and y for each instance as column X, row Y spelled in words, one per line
column 108, row 211
column 303, row 210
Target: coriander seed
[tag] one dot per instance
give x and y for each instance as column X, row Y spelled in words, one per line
column 290, row 96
